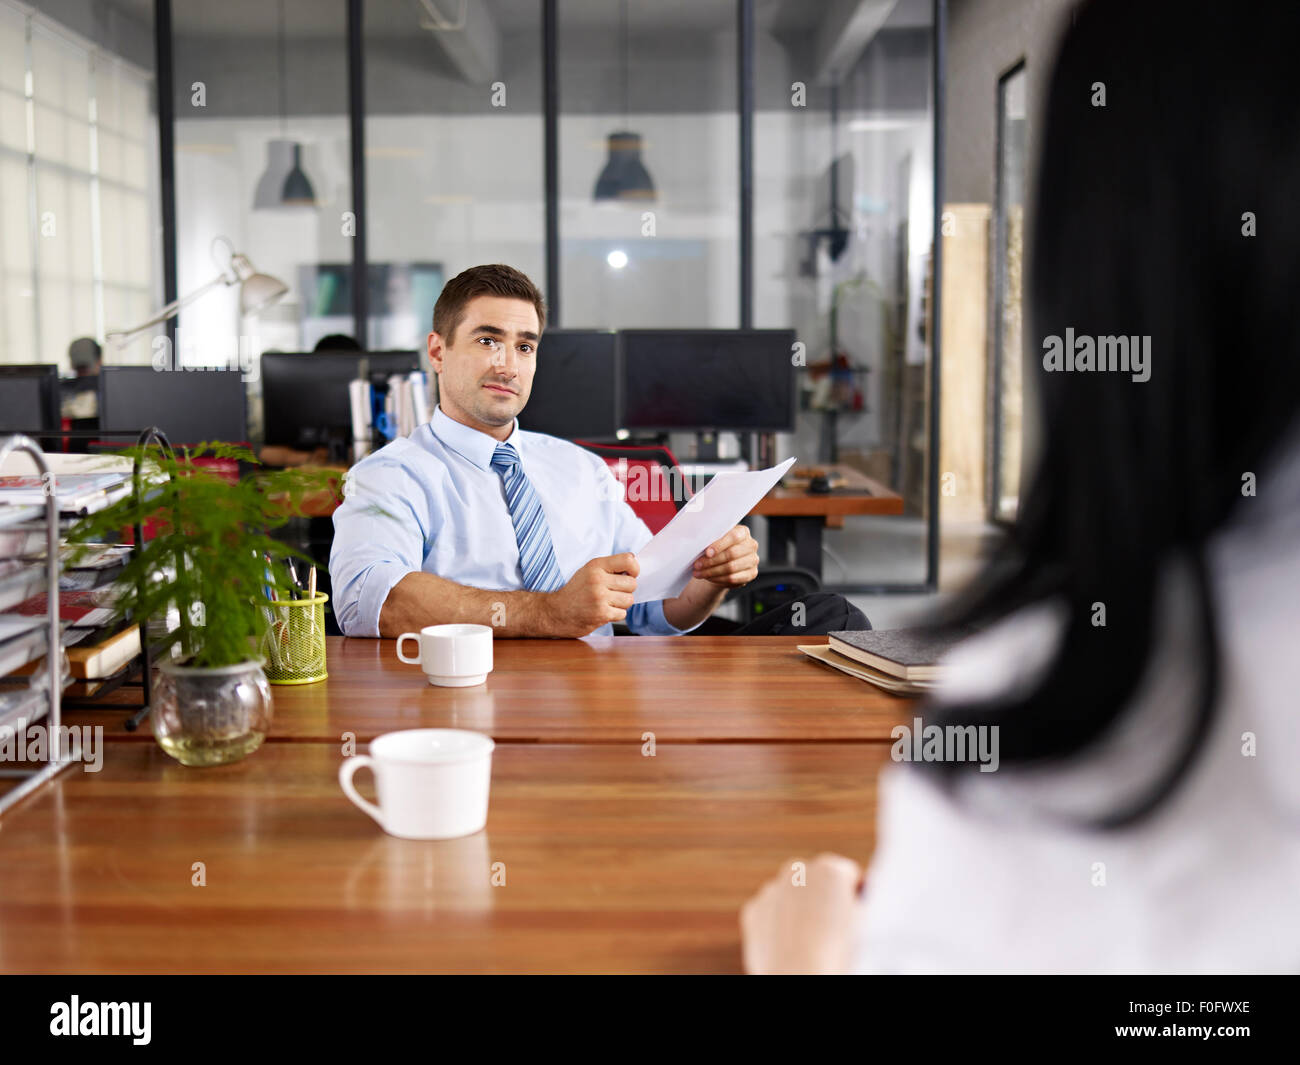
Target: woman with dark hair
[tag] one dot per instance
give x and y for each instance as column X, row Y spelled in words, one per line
column 1136, row 654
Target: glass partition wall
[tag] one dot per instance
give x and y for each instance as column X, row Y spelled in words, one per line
column 844, row 227
column 80, row 248
column 263, row 167
column 672, row 164
column 649, row 164
column 453, row 150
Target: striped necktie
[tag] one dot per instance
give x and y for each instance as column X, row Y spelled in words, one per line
column 537, row 562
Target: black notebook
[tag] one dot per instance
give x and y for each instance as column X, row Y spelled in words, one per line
column 911, row 654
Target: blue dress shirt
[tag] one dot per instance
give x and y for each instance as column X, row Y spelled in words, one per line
column 433, row 502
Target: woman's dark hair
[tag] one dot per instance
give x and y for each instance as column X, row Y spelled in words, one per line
column 1168, row 211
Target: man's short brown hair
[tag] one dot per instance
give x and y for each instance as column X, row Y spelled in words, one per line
column 493, row 279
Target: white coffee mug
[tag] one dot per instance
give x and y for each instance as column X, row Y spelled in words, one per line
column 452, row 656
column 433, row 783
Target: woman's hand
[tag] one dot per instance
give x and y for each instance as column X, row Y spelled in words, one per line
column 801, row 921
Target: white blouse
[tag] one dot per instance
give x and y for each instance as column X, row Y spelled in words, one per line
column 991, row 879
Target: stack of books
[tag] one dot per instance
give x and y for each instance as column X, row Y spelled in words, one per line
column 22, row 640
column 77, row 493
column 97, row 647
column 900, row 661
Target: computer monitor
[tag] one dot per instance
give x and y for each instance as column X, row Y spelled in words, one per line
column 575, row 386
column 189, row 406
column 383, row 364
column 701, row 380
column 305, row 400
column 29, row 399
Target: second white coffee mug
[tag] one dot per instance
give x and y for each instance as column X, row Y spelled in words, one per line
column 452, row 656
column 433, row 783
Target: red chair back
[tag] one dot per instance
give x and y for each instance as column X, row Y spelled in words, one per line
column 226, row 469
column 652, row 483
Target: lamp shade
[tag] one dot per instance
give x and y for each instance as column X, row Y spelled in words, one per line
column 256, row 291
column 625, row 176
column 270, row 186
column 297, row 191
column 283, row 183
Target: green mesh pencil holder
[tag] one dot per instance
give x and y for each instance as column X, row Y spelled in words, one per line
column 294, row 645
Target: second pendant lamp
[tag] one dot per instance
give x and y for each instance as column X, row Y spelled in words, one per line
column 283, row 183
column 624, row 176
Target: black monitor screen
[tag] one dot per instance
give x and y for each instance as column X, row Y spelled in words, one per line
column 189, row 406
column 305, row 400
column 575, row 386
column 725, row 379
column 29, row 397
column 383, row 364
column 305, row 397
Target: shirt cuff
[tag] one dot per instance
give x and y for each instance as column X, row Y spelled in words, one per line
column 380, row 579
column 647, row 619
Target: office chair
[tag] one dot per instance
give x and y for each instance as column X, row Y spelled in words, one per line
column 773, row 588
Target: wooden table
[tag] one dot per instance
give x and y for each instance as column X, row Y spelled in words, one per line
column 604, row 689
column 613, row 861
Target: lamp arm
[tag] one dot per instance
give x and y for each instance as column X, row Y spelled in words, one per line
column 122, row 335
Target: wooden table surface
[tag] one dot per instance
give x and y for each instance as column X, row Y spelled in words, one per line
column 613, row 862
column 599, row 690
column 858, row 494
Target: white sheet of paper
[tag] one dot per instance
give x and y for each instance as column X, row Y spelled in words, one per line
column 714, row 510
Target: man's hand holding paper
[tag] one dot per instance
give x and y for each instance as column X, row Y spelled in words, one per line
column 708, row 522
column 731, row 562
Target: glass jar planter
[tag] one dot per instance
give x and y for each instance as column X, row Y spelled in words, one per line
column 204, row 717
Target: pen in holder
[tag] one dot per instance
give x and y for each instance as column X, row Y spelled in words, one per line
column 294, row 645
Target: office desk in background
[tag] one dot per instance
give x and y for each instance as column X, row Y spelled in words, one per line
column 796, row 516
column 612, row 861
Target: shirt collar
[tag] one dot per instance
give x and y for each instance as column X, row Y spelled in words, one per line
column 476, row 446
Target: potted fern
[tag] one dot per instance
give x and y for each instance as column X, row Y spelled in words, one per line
column 205, row 578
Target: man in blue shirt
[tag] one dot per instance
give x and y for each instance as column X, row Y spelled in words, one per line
column 473, row 519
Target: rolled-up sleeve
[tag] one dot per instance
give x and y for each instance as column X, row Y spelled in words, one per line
column 380, row 532
column 632, row 534
column 647, row 619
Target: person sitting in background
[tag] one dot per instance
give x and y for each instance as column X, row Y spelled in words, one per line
column 1137, row 660
column 472, row 519
column 337, row 342
column 80, row 394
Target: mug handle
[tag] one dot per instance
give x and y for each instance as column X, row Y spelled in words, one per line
column 346, row 770
column 408, row 635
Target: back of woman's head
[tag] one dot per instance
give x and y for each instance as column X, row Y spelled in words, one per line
column 1166, row 217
